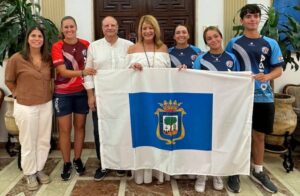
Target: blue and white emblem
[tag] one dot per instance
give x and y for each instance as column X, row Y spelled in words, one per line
column 170, row 122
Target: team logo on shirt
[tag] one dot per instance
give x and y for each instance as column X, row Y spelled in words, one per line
column 261, row 66
column 251, row 44
column 84, row 52
column 193, row 57
column 229, row 64
column 170, row 121
column 265, row 50
column 280, row 58
column 263, row 86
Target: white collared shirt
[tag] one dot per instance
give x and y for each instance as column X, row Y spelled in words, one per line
column 102, row 55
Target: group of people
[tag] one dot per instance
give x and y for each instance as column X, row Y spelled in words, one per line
column 76, row 61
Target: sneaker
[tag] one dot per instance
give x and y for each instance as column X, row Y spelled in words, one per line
column 100, row 174
column 78, row 167
column 42, row 177
column 66, row 172
column 218, row 183
column 120, row 173
column 264, row 180
column 32, row 183
column 200, row 184
column 233, row 184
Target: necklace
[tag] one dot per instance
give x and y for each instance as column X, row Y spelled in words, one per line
column 181, row 49
column 153, row 60
column 216, row 57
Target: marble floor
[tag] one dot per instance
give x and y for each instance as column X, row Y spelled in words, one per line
column 12, row 182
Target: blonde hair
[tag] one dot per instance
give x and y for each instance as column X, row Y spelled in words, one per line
column 149, row 19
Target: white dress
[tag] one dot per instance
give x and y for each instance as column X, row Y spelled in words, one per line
column 156, row 60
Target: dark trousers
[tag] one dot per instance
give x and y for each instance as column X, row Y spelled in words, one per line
column 96, row 133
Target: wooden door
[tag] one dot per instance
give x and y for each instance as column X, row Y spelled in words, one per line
column 169, row 14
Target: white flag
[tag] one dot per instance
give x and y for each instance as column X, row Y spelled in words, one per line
column 177, row 122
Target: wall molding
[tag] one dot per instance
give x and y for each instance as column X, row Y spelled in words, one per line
column 231, row 8
column 54, row 10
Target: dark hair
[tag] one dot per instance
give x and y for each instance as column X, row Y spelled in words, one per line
column 180, row 25
column 250, row 9
column 211, row 28
column 44, row 49
column 61, row 24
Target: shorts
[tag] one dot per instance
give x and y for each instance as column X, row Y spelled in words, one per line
column 65, row 104
column 263, row 117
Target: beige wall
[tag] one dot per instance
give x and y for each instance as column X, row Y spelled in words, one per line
column 231, row 8
column 54, row 10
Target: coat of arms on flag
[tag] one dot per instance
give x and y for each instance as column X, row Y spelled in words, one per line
column 170, row 126
column 161, row 121
column 154, row 120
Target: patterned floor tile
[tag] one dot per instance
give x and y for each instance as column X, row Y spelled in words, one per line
column 133, row 189
column 90, row 187
column 5, row 161
column 186, row 188
column 281, row 188
column 21, row 187
column 112, row 185
column 93, row 163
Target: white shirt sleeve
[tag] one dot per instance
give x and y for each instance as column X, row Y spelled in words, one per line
column 89, row 80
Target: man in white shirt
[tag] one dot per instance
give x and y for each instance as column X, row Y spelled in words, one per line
column 106, row 53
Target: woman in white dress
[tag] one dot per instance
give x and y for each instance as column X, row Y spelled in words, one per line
column 148, row 52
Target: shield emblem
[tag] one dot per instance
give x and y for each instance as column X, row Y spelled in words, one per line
column 170, row 125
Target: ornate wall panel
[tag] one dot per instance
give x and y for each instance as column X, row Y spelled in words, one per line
column 119, row 6
column 169, row 13
column 165, row 6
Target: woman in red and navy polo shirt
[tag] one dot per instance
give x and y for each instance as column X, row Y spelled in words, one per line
column 70, row 98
